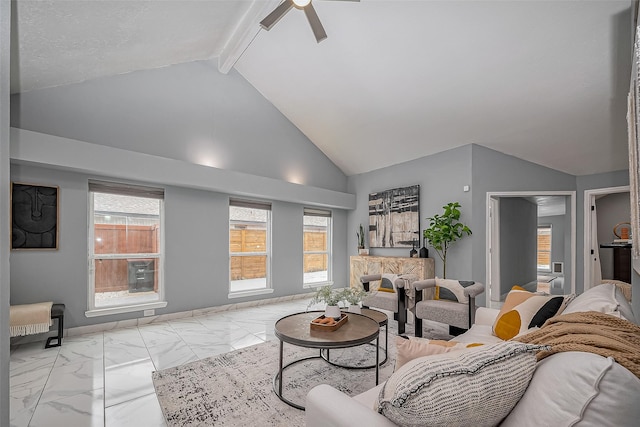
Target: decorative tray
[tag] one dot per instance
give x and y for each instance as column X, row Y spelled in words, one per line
column 321, row 324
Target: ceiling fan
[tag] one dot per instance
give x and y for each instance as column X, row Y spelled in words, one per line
column 284, row 7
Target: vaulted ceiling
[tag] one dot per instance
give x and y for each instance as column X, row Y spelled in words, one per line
column 395, row 80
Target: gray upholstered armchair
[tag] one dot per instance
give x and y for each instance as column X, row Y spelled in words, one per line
column 459, row 316
column 390, row 301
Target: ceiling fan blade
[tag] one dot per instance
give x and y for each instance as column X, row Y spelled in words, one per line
column 271, row 19
column 314, row 21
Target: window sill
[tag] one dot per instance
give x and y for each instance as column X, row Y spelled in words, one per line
column 124, row 309
column 316, row 285
column 243, row 294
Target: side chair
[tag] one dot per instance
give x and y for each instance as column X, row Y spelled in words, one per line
column 458, row 315
column 391, row 301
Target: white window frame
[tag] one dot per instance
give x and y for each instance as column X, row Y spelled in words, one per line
column 268, row 289
column 92, row 311
column 328, row 252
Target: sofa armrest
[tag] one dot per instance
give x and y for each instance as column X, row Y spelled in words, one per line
column 370, row 278
column 474, row 290
column 486, row 316
column 328, row 407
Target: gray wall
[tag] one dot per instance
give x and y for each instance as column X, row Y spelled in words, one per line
column 187, row 112
column 493, row 172
column 441, row 178
column 611, row 210
column 518, row 242
column 5, row 31
column 197, row 258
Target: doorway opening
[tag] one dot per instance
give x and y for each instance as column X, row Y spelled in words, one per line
column 504, row 233
column 593, row 271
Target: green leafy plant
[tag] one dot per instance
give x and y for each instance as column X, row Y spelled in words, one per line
column 444, row 230
column 335, row 296
column 328, row 296
column 354, row 295
column 360, row 235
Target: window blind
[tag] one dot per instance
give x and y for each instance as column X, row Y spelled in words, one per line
column 317, row 212
column 125, row 189
column 250, row 204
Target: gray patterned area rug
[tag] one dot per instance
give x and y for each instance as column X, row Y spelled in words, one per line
column 236, row 388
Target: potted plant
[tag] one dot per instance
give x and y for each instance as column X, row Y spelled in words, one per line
column 444, row 230
column 354, row 297
column 360, row 235
column 331, row 297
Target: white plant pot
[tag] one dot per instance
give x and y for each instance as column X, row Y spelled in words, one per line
column 355, row 308
column 332, row 311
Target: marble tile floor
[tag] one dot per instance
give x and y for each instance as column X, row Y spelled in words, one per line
column 104, row 379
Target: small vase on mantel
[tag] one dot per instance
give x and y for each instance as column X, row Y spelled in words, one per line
column 413, row 253
column 424, row 252
column 332, row 311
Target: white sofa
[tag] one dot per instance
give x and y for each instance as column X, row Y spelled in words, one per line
column 567, row 389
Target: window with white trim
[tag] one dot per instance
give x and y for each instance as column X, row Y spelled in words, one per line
column 544, row 247
column 249, row 246
column 125, row 248
column 317, row 260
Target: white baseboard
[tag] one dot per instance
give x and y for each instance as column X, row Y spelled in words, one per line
column 107, row 326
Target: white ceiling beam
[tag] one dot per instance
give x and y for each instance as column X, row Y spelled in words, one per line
column 244, row 33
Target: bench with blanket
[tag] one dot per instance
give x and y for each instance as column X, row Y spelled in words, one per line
column 29, row 319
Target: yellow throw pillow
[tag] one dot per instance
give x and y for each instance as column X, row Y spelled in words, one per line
column 523, row 310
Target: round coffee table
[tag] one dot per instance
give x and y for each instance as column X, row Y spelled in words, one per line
column 383, row 320
column 296, row 329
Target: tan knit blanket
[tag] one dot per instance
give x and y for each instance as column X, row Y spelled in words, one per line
column 590, row 332
column 30, row 319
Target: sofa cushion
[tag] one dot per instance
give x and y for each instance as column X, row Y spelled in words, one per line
column 477, row 387
column 624, row 307
column 452, row 290
column 599, row 298
column 576, row 388
column 410, row 348
column 523, row 310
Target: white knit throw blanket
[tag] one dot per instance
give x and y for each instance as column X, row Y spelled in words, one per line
column 30, row 319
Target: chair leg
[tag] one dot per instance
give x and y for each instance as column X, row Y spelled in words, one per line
column 60, row 332
column 418, row 328
column 402, row 311
column 455, row 331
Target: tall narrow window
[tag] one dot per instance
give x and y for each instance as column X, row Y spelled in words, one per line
column 249, row 246
column 544, row 248
column 125, row 247
column 317, row 247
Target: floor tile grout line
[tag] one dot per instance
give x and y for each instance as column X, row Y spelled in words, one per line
column 35, row 407
column 281, row 310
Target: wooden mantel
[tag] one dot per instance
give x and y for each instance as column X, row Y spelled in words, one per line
column 424, row 268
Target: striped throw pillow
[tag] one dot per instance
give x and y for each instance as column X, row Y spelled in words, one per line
column 477, row 387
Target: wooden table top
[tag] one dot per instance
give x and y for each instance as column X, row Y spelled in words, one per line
column 296, row 329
